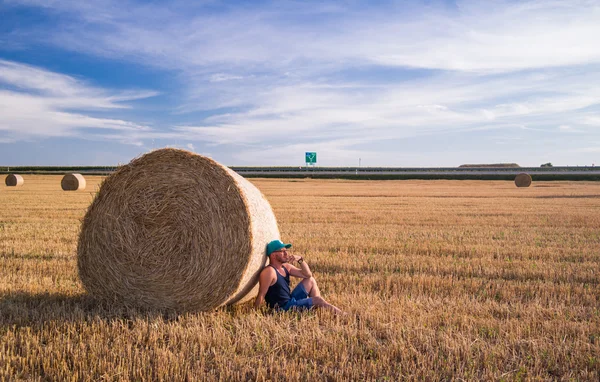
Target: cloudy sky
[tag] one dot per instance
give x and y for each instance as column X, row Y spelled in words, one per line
column 406, row 83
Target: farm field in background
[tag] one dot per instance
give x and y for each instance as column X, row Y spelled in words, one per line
column 442, row 280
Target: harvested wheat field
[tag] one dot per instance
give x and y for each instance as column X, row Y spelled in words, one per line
column 442, row 280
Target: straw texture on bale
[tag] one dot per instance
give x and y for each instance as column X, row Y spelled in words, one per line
column 73, row 182
column 175, row 230
column 14, row 180
column 523, row 180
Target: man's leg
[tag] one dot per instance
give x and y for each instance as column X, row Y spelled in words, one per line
column 320, row 302
column 311, row 287
column 310, row 284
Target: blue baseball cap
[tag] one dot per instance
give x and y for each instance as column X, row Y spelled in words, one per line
column 276, row 245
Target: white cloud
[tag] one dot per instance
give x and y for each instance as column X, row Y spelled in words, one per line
column 37, row 102
column 416, row 107
column 62, row 90
column 491, row 36
column 220, row 77
column 593, row 120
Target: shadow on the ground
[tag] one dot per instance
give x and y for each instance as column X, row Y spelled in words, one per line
column 29, row 309
column 568, row 196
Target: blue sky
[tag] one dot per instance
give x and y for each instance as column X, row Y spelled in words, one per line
column 410, row 83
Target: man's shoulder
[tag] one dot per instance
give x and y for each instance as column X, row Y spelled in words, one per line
column 267, row 270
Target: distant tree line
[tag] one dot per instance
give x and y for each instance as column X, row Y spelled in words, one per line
column 492, row 165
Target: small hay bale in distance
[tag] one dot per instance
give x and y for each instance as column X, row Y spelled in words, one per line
column 73, row 182
column 175, row 230
column 14, row 180
column 523, row 180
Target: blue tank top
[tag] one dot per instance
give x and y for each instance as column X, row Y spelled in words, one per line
column 279, row 293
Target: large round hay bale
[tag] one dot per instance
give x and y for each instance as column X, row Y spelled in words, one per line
column 14, row 180
column 73, row 182
column 523, row 180
column 175, row 230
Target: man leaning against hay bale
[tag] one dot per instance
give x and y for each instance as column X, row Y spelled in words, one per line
column 274, row 282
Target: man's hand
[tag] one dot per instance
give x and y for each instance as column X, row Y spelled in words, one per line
column 295, row 258
column 303, row 271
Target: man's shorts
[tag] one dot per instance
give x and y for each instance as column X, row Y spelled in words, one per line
column 299, row 300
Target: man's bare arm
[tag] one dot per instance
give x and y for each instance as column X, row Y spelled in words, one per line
column 265, row 280
column 302, row 272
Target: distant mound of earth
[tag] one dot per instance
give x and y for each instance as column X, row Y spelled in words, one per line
column 505, row 165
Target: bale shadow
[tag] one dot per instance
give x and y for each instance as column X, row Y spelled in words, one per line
column 568, row 197
column 29, row 309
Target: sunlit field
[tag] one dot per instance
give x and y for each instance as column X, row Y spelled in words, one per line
column 442, row 280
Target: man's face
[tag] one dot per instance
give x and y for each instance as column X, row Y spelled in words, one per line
column 282, row 255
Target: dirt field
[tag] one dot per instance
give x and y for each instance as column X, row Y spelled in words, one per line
column 471, row 280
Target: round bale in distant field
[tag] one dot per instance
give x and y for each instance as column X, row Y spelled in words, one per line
column 523, row 180
column 73, row 182
column 175, row 230
column 14, row 180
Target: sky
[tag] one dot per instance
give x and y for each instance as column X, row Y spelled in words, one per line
column 259, row 83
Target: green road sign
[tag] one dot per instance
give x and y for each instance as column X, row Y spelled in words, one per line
column 311, row 158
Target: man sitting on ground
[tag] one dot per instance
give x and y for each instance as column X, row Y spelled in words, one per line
column 274, row 282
